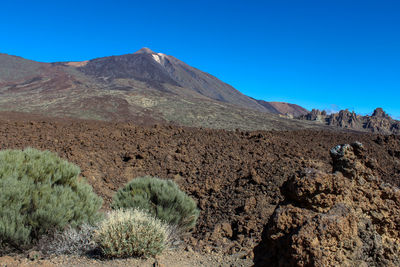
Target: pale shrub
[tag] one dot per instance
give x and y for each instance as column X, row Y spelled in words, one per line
column 131, row 232
column 70, row 241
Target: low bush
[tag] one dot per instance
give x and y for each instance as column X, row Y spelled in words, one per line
column 161, row 198
column 131, row 232
column 40, row 192
column 74, row 241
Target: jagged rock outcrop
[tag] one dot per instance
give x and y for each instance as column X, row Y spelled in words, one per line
column 345, row 119
column 345, row 218
column 315, row 115
column 378, row 122
column 381, row 122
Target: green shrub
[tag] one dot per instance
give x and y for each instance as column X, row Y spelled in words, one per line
column 131, row 232
column 40, row 192
column 161, row 198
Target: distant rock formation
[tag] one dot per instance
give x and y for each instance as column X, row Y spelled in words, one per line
column 314, row 115
column 346, row 218
column 378, row 122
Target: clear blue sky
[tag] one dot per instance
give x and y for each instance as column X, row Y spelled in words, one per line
column 325, row 54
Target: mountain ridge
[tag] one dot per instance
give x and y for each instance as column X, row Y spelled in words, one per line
column 141, row 87
column 146, row 64
column 146, row 86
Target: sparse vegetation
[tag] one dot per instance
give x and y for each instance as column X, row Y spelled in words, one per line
column 40, row 192
column 75, row 241
column 131, row 232
column 161, row 198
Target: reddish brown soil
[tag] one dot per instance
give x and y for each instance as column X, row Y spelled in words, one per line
column 234, row 176
column 175, row 258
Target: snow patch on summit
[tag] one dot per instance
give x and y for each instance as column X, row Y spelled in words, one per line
column 159, row 57
column 156, row 58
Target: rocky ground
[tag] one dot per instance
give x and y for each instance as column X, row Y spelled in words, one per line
column 345, row 217
column 235, row 176
column 175, row 258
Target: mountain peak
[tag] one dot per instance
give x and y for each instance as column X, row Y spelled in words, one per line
column 378, row 112
column 145, row 50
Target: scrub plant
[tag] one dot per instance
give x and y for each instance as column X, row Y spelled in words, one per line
column 132, row 232
column 39, row 193
column 161, row 198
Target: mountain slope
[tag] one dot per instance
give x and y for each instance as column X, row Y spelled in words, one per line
column 283, row 108
column 160, row 69
column 144, row 87
column 13, row 68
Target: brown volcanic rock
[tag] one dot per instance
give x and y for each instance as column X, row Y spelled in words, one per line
column 234, row 176
column 346, row 218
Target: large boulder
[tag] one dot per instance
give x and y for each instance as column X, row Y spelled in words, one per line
column 345, row 218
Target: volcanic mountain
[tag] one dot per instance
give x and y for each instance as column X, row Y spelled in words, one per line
column 143, row 87
column 164, row 71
